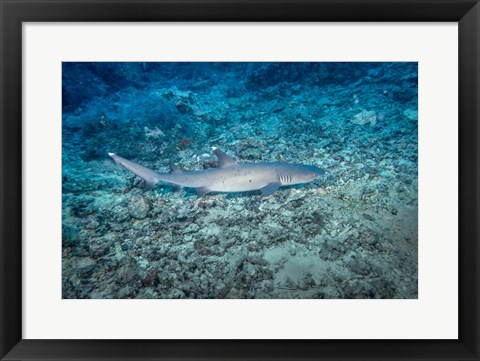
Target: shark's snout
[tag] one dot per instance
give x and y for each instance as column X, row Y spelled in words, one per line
column 315, row 172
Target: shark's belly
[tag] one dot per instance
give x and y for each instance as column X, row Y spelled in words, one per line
column 238, row 182
column 236, row 187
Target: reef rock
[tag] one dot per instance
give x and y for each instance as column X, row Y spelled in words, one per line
column 85, row 265
column 138, row 207
column 411, row 114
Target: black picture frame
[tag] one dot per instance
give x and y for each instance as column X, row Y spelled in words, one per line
column 14, row 12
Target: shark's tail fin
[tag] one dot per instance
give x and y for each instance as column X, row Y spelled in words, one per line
column 150, row 177
column 115, row 158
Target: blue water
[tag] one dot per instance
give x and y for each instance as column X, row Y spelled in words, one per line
column 349, row 234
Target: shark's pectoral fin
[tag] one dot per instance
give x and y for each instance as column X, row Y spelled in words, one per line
column 201, row 191
column 270, row 188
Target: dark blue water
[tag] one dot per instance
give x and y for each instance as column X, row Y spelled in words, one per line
column 349, row 234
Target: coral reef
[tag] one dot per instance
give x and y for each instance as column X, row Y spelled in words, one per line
column 351, row 234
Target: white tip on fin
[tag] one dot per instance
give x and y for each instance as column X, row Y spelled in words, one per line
column 224, row 160
column 111, row 154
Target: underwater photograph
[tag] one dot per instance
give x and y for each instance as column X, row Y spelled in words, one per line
column 240, row 180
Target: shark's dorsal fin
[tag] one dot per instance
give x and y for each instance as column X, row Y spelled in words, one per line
column 223, row 159
column 174, row 168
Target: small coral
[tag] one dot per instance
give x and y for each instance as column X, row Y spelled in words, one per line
column 365, row 117
column 184, row 143
column 154, row 133
column 411, row 114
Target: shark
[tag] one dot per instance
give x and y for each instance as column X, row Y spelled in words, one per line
column 229, row 175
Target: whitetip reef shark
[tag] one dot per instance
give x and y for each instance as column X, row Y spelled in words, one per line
column 229, row 175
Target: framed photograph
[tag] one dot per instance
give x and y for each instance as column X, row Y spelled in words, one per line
column 239, row 180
